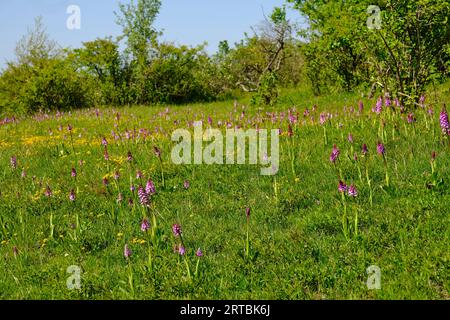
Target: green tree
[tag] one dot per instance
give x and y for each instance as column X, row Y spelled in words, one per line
column 408, row 51
column 36, row 46
column 100, row 62
column 257, row 63
column 41, row 78
column 136, row 20
column 179, row 74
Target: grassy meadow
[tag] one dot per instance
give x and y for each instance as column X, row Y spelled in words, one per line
column 307, row 238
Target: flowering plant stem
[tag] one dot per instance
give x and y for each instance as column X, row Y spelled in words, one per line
column 275, row 188
column 359, row 172
column 186, row 260
column 292, row 156
column 150, row 259
column 370, row 186
column 130, row 278
column 196, row 267
column 162, row 172
column 155, row 227
column 71, row 141
column 386, row 169
column 344, row 217
column 52, row 227
column 247, row 242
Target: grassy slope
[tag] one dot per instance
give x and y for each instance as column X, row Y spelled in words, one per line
column 298, row 248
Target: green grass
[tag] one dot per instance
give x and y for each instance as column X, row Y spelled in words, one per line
column 298, row 249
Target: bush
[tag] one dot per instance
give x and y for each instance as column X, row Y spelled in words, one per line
column 51, row 85
column 100, row 63
column 177, row 75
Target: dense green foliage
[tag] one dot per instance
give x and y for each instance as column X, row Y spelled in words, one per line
column 400, row 51
column 45, row 77
column 41, row 79
column 299, row 246
column 97, row 188
column 392, row 47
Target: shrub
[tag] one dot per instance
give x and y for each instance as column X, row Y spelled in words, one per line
column 52, row 85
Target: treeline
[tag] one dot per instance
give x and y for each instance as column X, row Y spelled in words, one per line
column 395, row 47
column 385, row 47
column 46, row 77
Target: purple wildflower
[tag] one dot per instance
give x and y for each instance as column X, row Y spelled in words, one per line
column 361, row 106
column 381, row 149
column 350, row 138
column 352, row 192
column 157, row 151
column 422, row 100
column 15, row 251
column 13, row 162
column 247, row 212
column 379, row 106
column 104, row 142
column 116, row 175
column 290, row 131
column 139, row 174
column 186, row 184
column 145, row 225
column 334, row 154
column 181, row 250
column 105, row 182
column 126, row 252
column 364, row 149
column 323, row 118
column 150, row 187
column 48, row 192
column 72, row 195
column 129, row 157
column 143, row 196
column 411, row 118
column 73, row 173
column 199, row 253
column 443, row 118
column 176, row 229
column 106, row 154
column 342, row 187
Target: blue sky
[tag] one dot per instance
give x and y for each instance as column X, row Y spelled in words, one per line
column 183, row 21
